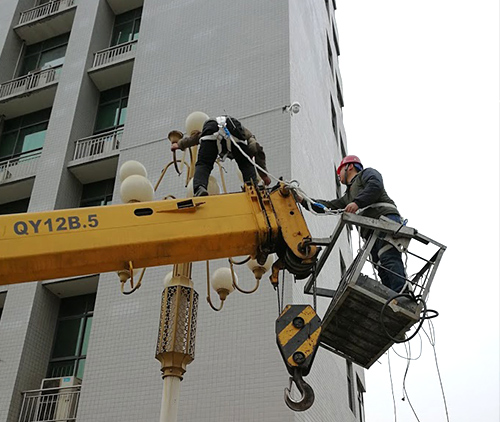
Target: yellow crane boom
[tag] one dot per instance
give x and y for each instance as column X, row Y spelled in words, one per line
column 64, row 243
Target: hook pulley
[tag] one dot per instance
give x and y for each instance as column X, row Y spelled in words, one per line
column 298, row 329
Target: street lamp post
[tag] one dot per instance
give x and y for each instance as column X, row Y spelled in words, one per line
column 179, row 310
column 176, row 336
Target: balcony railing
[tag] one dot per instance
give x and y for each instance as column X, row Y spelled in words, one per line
column 50, row 405
column 44, row 10
column 114, row 54
column 24, row 165
column 30, row 82
column 98, row 144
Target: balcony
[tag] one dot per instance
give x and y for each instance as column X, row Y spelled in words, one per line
column 46, row 21
column 32, row 92
column 96, row 157
column 17, row 176
column 50, row 405
column 122, row 6
column 113, row 66
column 20, row 167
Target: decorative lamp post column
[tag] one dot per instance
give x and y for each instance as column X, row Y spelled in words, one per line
column 176, row 336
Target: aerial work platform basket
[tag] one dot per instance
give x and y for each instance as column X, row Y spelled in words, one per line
column 365, row 318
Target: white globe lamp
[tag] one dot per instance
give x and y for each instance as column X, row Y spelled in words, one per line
column 258, row 269
column 136, row 188
column 195, row 121
column 222, row 282
column 132, row 167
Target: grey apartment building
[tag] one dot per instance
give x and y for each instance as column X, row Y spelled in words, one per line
column 86, row 85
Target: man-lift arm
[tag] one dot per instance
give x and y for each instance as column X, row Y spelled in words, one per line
column 64, row 243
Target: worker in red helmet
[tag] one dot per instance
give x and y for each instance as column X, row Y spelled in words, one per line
column 366, row 195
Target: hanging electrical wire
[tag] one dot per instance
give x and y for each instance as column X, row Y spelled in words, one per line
column 405, row 392
column 432, row 341
column 392, row 387
column 405, row 357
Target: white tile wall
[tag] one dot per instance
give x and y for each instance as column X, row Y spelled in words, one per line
column 229, row 56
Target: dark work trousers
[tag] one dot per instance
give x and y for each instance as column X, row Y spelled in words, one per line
column 390, row 260
column 207, row 154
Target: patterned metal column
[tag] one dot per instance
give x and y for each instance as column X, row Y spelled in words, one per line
column 176, row 336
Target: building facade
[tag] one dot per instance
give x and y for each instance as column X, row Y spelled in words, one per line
column 88, row 85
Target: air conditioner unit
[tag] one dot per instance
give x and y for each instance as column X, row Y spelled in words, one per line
column 60, row 382
column 59, row 399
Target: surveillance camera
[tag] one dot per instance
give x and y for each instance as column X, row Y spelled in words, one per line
column 294, row 107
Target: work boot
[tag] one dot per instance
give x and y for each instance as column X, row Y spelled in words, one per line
column 201, row 191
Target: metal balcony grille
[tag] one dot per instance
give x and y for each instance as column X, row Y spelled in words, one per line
column 114, row 54
column 24, row 165
column 30, row 82
column 98, row 144
column 44, row 10
column 50, row 405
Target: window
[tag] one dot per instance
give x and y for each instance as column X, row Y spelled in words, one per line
column 72, row 336
column 361, row 403
column 330, row 54
column 126, row 27
column 339, row 94
column 342, row 264
column 342, row 147
column 350, row 385
column 349, row 236
column 45, row 54
column 112, row 111
column 338, row 187
column 24, row 134
column 335, row 39
column 334, row 119
column 2, row 302
column 97, row 193
column 15, row 207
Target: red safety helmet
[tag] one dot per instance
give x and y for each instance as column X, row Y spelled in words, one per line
column 349, row 159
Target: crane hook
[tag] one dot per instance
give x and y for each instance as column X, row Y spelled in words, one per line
column 306, row 391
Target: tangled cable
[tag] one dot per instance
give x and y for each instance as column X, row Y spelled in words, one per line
column 424, row 314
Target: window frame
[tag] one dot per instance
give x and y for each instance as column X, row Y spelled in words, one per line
column 19, row 206
column 23, row 126
column 122, row 98
column 3, row 296
column 360, row 399
column 330, row 53
column 334, row 120
column 136, row 17
column 107, row 197
column 76, row 359
column 44, row 47
column 350, row 386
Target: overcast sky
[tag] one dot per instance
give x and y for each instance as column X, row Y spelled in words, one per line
column 421, row 95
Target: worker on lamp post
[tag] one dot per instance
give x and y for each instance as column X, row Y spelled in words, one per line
column 366, row 193
column 214, row 143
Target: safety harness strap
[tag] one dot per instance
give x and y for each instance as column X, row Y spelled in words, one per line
column 222, row 135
